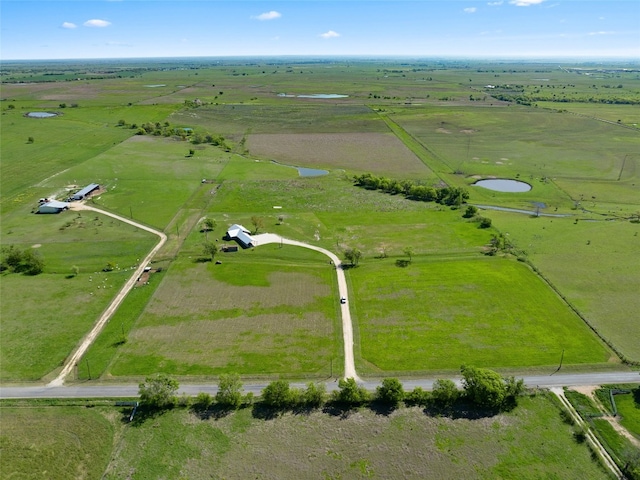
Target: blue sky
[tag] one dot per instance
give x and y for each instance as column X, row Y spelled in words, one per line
column 32, row 29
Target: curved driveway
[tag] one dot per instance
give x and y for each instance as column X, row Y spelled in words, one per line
column 111, row 309
column 347, row 328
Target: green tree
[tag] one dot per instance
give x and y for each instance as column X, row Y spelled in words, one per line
column 158, row 391
column 229, row 391
column 484, row 222
column 277, row 395
column 210, row 249
column 445, row 393
column 417, row 397
column 483, row 387
column 203, row 401
column 353, row 255
column 314, row 395
column 208, row 224
column 11, row 258
column 350, row 393
column 391, row 392
column 30, row 140
column 408, row 251
column 257, row 222
column 470, row 211
column 75, row 270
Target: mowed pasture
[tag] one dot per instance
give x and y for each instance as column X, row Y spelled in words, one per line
column 593, row 263
column 268, row 311
column 40, row 329
column 439, row 314
column 529, row 442
column 147, row 178
column 525, row 143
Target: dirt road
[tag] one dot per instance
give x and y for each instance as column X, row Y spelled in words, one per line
column 347, row 327
column 111, row 309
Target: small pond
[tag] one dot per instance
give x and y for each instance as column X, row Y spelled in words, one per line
column 311, row 172
column 503, row 185
column 41, row 114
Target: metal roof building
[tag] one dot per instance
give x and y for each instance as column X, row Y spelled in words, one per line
column 241, row 235
column 85, row 191
column 53, row 206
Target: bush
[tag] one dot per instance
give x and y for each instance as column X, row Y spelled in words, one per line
column 315, row 395
column 158, row 391
column 484, row 222
column 445, row 393
column 350, row 394
column 229, row 391
column 417, row 397
column 390, row 392
column 277, row 395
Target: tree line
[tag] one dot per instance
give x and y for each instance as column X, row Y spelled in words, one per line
column 482, row 388
column 26, row 261
column 452, row 196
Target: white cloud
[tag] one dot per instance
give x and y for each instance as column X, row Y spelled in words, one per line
column 525, row 3
column 330, row 34
column 96, row 23
column 470, row 10
column 602, row 33
column 272, row 15
column 495, row 4
column 68, row 25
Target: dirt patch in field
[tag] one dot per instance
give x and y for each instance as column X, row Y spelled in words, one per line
column 443, row 130
column 197, row 293
column 371, row 152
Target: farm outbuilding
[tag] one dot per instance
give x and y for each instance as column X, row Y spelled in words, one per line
column 52, row 206
column 85, row 191
column 240, row 235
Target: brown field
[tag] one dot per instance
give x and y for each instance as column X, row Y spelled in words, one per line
column 195, row 324
column 368, row 152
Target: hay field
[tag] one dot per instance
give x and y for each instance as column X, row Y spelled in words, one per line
column 276, row 320
column 363, row 152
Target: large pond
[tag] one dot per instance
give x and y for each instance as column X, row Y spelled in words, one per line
column 503, row 185
column 41, row 114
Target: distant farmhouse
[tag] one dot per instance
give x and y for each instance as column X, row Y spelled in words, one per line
column 86, row 191
column 52, row 206
column 240, row 235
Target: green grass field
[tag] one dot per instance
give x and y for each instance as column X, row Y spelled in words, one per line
column 593, row 264
column 439, row 314
column 265, row 312
column 629, row 411
column 55, row 442
column 434, row 127
column 530, row 442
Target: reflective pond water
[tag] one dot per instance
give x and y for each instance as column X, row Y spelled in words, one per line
column 503, row 185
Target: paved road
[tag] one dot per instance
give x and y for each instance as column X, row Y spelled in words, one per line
column 347, row 327
column 111, row 309
column 89, row 390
